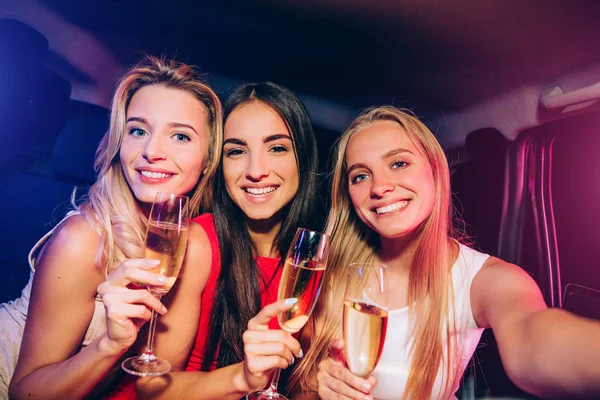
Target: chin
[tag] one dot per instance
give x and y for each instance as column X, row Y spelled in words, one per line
column 146, row 195
column 260, row 217
column 393, row 233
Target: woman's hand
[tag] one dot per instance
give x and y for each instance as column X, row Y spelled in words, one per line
column 337, row 382
column 267, row 349
column 127, row 308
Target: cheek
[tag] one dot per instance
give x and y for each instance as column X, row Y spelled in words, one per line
column 295, row 177
column 289, row 170
column 355, row 196
column 428, row 193
column 231, row 170
column 129, row 151
column 125, row 157
column 192, row 166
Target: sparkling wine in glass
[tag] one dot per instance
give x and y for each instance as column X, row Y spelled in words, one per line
column 166, row 240
column 365, row 317
column 301, row 279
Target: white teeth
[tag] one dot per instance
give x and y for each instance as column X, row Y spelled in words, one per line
column 260, row 191
column 155, row 175
column 392, row 207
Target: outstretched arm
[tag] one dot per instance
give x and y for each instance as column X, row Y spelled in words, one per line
column 548, row 352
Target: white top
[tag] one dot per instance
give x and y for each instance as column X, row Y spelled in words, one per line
column 14, row 314
column 392, row 370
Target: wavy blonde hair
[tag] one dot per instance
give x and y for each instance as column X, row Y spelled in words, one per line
column 430, row 283
column 110, row 206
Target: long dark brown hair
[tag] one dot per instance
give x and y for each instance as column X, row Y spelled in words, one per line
column 238, row 291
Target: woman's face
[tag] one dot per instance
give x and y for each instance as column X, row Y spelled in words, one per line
column 165, row 146
column 390, row 180
column 259, row 161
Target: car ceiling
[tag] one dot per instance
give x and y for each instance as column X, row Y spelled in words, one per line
column 444, row 59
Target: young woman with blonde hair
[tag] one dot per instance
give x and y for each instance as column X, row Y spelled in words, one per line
column 391, row 204
column 164, row 136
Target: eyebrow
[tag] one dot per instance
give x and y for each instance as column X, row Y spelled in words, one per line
column 276, row 136
column 389, row 154
column 171, row 124
column 267, row 139
column 395, row 152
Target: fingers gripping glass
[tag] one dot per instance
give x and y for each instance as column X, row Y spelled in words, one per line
column 301, row 279
column 365, row 317
column 166, row 240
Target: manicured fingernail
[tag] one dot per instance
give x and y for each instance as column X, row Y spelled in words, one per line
column 154, row 262
column 164, row 309
column 290, row 301
column 293, row 361
column 162, row 279
column 366, row 387
column 301, row 354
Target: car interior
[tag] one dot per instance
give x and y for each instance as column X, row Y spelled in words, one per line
column 510, row 88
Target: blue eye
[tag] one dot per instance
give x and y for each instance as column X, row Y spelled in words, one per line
column 181, row 137
column 137, row 132
column 399, row 164
column 358, row 178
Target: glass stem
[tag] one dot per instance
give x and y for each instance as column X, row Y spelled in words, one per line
column 148, row 354
column 272, row 390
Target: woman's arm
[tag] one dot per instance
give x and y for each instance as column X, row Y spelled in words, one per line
column 60, row 310
column 548, row 352
column 264, row 350
column 176, row 334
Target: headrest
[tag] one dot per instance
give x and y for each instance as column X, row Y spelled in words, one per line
column 21, row 44
column 75, row 148
column 33, row 98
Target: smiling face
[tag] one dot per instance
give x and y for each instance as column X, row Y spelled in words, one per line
column 259, row 161
column 390, row 180
column 165, row 144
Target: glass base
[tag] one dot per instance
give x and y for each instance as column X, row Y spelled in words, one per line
column 265, row 395
column 145, row 365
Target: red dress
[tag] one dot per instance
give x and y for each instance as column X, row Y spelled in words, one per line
column 270, row 274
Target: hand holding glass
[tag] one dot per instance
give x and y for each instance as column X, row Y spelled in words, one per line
column 301, row 279
column 365, row 317
column 166, row 240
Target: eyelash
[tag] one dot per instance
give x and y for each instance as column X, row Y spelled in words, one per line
column 237, row 151
column 354, row 179
column 405, row 164
column 278, row 149
column 134, row 129
column 181, row 137
column 234, row 152
column 186, row 137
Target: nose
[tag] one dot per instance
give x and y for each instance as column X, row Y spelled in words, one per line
column 381, row 184
column 257, row 168
column 153, row 150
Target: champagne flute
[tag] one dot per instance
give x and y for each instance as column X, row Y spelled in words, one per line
column 365, row 317
column 166, row 240
column 301, row 279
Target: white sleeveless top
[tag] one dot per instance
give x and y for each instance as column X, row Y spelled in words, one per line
column 14, row 314
column 392, row 370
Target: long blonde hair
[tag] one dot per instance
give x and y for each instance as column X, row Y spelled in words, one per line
column 430, row 286
column 110, row 206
